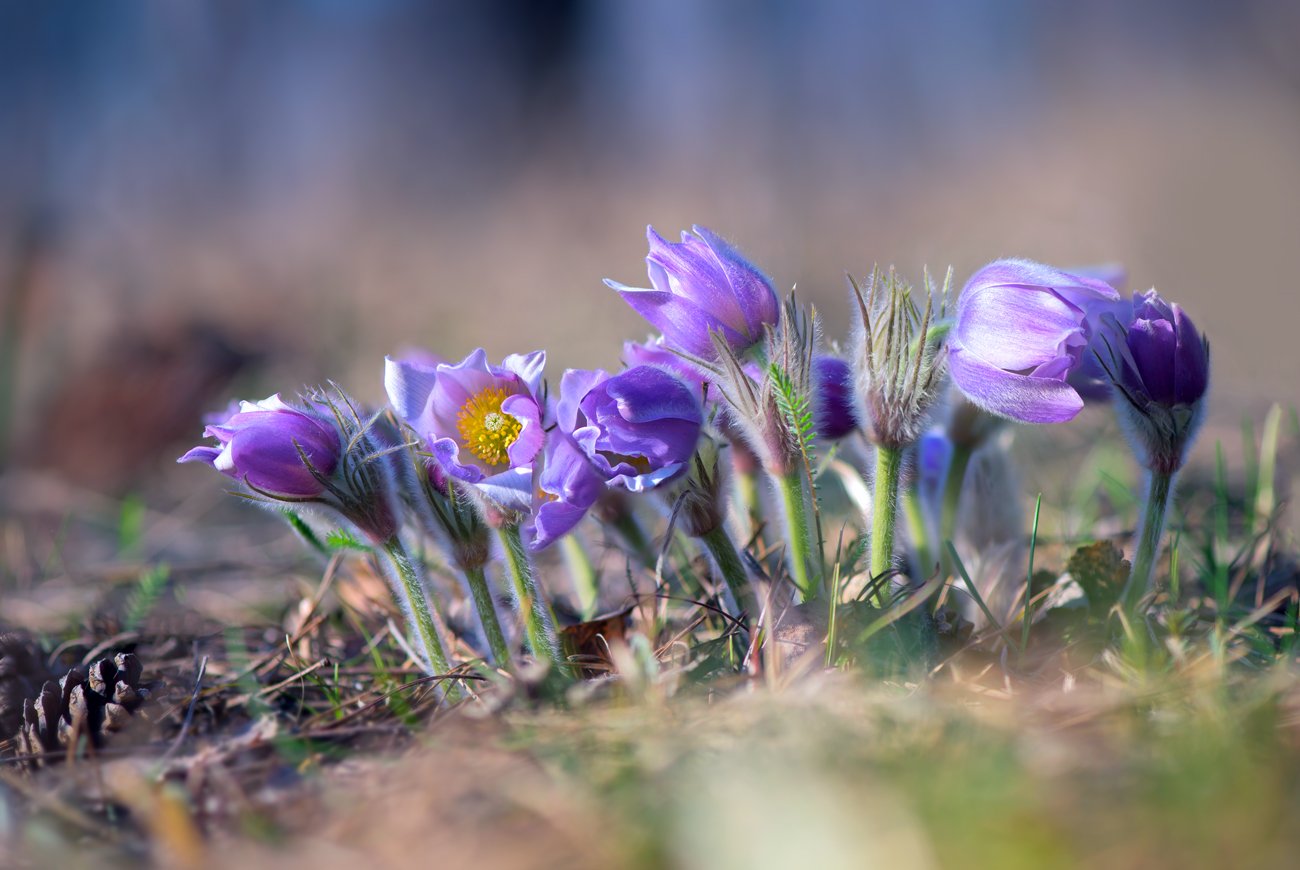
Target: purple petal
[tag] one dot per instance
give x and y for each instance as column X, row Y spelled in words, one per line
column 683, row 322
column 751, row 288
column 1019, row 397
column 1192, row 363
column 529, row 441
column 645, row 394
column 1015, row 327
column 201, row 454
column 692, row 271
column 409, row 383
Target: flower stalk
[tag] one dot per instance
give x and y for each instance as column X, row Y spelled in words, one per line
column 889, row 467
column 732, row 568
column 410, row 585
column 583, row 573
column 794, row 501
column 539, row 625
column 487, row 613
column 1141, row 582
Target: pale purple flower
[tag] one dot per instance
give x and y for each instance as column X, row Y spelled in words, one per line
column 482, row 423
column 263, row 444
column 700, row 286
column 1021, row 331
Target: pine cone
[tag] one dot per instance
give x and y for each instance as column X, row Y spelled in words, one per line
column 95, row 703
column 22, row 670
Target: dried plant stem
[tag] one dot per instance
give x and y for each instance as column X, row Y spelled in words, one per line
column 411, row 586
column 585, row 582
column 795, row 502
column 732, row 568
column 1160, row 487
column 884, row 507
column 487, row 614
column 539, row 626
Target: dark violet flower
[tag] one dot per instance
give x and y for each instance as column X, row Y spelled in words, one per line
column 483, row 423
column 654, row 353
column 700, row 286
column 833, row 412
column 1089, row 379
column 634, row 431
column 264, row 444
column 1021, row 330
column 1160, row 366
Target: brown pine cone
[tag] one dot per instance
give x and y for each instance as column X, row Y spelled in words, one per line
column 96, row 702
column 22, row 671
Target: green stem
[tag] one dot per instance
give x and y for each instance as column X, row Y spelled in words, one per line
column 918, row 531
column 634, row 537
column 539, row 625
column 585, row 583
column 1140, row 582
column 732, row 567
column 411, row 587
column 487, row 614
column 795, row 502
column 884, row 502
column 952, row 489
column 747, row 500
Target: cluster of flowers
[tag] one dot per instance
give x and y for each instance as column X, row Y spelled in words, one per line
column 469, row 449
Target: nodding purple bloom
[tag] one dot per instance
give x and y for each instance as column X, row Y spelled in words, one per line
column 1161, row 368
column 634, row 430
column 1022, row 329
column 1090, row 379
column 264, row 444
column 703, row 285
column 833, row 412
column 483, row 423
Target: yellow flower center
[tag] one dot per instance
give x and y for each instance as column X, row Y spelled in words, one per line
column 485, row 429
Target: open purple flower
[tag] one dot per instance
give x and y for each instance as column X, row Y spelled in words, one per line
column 264, row 444
column 1021, row 331
column 833, row 412
column 1160, row 364
column 701, row 286
column 483, row 423
column 634, row 430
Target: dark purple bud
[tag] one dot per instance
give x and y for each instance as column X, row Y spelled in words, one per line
column 264, row 444
column 700, row 286
column 833, row 411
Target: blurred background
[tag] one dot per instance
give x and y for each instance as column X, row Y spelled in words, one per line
column 199, row 200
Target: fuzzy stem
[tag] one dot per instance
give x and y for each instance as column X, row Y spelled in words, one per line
column 732, row 567
column 539, row 625
column 487, row 614
column 795, row 502
column 1140, row 582
column 889, row 467
column 747, row 500
column 585, row 582
column 421, row 617
column 952, row 488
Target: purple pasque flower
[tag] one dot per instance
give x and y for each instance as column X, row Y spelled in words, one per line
column 653, row 352
column 1160, row 367
column 833, row 413
column 268, row 445
column 634, row 431
column 1021, row 330
column 483, row 423
column 700, row 286
column 1090, row 379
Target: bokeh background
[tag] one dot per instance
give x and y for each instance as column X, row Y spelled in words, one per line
column 205, row 199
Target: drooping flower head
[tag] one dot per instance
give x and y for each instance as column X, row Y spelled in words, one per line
column 270, row 445
column 898, row 366
column 1021, row 331
column 634, row 431
column 321, row 454
column 834, row 415
column 1160, row 367
column 482, row 423
column 700, row 286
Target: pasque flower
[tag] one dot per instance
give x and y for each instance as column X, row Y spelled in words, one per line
column 833, row 413
column 1021, row 331
column 1160, row 366
column 273, row 447
column 700, row 286
column 634, row 430
column 1090, row 380
column 482, row 422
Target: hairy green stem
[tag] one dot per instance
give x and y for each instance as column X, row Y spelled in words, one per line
column 794, row 500
column 884, row 504
column 539, row 625
column 411, row 587
column 487, row 614
column 585, row 583
column 732, row 567
column 1152, row 529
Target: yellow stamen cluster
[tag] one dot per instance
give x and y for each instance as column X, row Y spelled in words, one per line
column 485, row 429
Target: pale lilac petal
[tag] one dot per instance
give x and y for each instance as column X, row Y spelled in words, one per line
column 1019, row 397
column 1015, row 328
column 409, row 384
column 528, row 443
